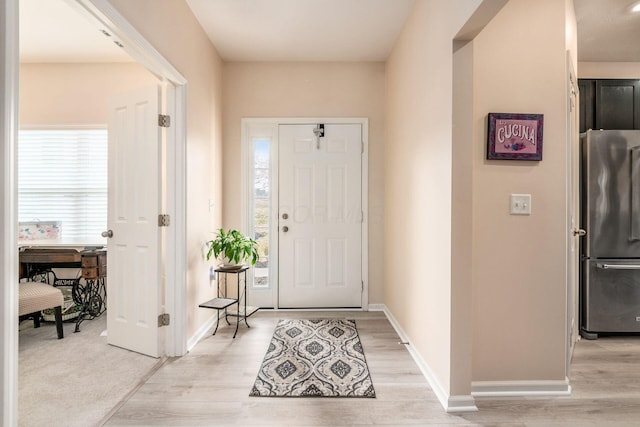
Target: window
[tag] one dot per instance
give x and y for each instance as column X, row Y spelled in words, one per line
column 62, row 177
column 261, row 208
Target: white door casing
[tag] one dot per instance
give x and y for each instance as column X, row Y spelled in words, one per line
column 573, row 210
column 133, row 285
column 320, row 216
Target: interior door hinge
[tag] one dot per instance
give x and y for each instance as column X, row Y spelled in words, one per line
column 164, row 319
column 361, row 147
column 164, row 220
column 164, row 121
column 362, row 289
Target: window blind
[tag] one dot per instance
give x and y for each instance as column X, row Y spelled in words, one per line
column 62, row 176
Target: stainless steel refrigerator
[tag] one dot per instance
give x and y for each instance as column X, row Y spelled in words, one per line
column 610, row 249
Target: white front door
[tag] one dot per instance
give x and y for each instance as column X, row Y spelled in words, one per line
column 320, row 216
column 133, row 284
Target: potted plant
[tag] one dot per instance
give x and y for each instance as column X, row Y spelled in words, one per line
column 233, row 248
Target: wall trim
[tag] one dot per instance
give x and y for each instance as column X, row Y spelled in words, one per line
column 520, row 388
column 451, row 404
column 478, row 388
column 202, row 331
column 9, row 83
column 456, row 404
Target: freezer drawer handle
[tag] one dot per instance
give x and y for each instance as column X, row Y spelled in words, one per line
column 618, row 266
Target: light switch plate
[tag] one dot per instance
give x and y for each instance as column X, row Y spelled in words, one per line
column 521, row 204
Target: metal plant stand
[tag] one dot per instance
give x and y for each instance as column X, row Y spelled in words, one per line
column 222, row 301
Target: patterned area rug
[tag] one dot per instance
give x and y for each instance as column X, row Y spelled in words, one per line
column 314, row 358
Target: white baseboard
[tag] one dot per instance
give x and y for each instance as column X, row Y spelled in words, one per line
column 449, row 403
column 202, row 331
column 461, row 404
column 520, row 388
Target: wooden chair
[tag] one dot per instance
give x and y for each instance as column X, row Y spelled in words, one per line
column 35, row 297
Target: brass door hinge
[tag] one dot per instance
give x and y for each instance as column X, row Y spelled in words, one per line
column 164, row 319
column 164, row 121
column 164, row 220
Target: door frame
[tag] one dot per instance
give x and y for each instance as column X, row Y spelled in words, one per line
column 9, row 80
column 270, row 125
column 105, row 15
column 573, row 212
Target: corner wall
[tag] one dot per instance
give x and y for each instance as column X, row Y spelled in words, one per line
column 418, row 189
column 170, row 26
column 518, row 268
column 519, row 265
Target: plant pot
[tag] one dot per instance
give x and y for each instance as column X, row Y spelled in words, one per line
column 227, row 264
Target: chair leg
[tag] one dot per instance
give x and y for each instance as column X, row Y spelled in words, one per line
column 36, row 319
column 58, row 315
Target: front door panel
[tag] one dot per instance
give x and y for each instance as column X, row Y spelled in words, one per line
column 320, row 217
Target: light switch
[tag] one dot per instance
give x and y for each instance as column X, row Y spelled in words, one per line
column 521, row 204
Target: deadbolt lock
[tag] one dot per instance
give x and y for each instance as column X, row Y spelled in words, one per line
column 285, row 216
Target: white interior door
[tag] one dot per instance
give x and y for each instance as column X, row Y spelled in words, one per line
column 320, row 216
column 133, row 285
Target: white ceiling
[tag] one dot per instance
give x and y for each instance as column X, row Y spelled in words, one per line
column 608, row 31
column 55, row 31
column 302, row 30
column 299, row 30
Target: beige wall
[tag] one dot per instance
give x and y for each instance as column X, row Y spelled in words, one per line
column 172, row 29
column 609, row 70
column 519, row 262
column 518, row 273
column 308, row 90
column 72, row 94
column 418, row 175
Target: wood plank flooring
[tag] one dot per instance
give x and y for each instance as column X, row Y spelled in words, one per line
column 210, row 386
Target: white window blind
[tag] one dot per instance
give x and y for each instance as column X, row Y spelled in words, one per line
column 62, row 176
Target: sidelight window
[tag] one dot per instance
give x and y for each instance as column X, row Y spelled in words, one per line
column 261, row 208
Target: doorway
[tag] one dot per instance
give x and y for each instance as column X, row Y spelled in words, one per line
column 70, row 185
column 175, row 294
column 314, row 218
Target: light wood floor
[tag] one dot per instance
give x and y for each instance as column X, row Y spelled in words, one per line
column 210, row 386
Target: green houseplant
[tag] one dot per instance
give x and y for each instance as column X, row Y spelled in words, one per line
column 232, row 248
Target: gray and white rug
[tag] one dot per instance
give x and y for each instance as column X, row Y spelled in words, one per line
column 314, row 358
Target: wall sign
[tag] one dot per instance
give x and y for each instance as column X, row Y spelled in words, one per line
column 514, row 136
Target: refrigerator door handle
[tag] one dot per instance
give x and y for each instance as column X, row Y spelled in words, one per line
column 618, row 266
column 634, row 187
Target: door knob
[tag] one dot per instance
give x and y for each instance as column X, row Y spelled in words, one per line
column 285, row 229
column 108, row 233
column 579, row 232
